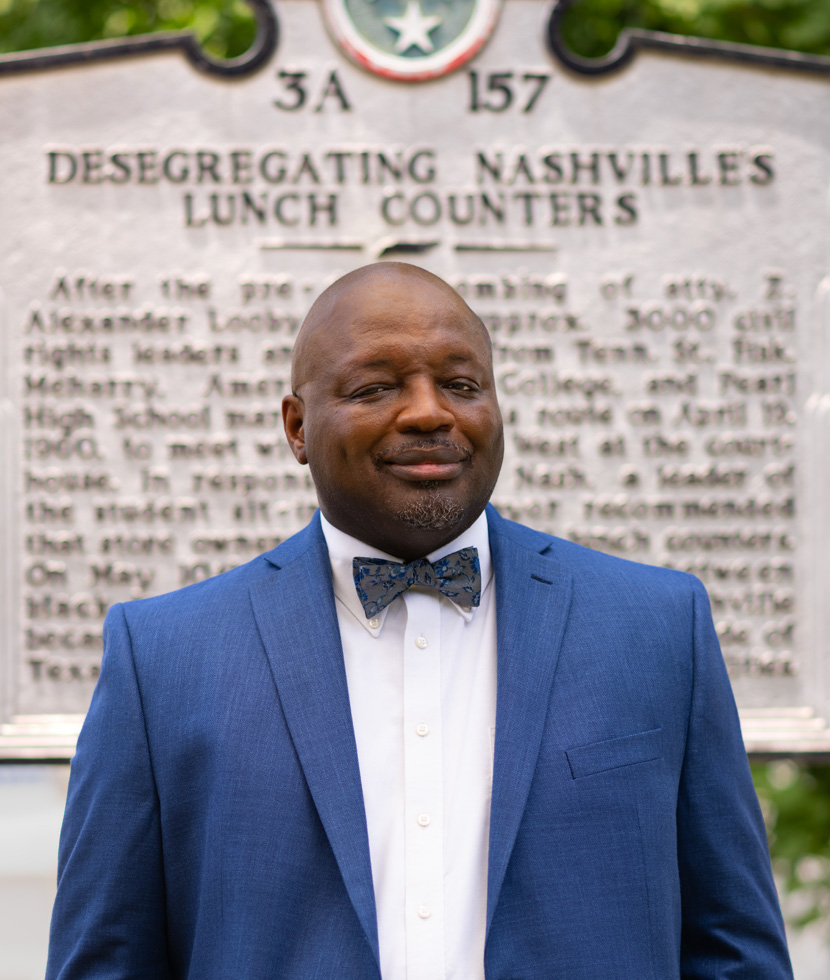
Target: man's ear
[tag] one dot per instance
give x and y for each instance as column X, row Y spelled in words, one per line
column 292, row 420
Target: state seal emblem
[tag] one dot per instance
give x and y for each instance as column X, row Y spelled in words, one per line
column 411, row 40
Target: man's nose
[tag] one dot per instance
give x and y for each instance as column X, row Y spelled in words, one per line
column 424, row 408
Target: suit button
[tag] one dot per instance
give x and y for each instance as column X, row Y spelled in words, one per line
column 424, row 911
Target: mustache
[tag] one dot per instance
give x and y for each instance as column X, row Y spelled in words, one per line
column 423, row 444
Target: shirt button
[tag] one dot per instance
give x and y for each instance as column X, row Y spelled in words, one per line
column 424, row 819
column 421, row 643
column 424, row 911
column 374, row 622
column 422, row 729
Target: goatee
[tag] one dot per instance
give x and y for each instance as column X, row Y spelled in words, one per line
column 433, row 512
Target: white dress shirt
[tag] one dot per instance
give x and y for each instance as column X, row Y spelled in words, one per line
column 422, row 689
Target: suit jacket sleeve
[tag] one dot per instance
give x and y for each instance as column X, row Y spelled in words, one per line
column 731, row 923
column 109, row 915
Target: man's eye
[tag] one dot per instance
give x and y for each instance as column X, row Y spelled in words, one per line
column 462, row 386
column 370, row 390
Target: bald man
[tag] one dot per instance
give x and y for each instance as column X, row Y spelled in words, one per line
column 414, row 741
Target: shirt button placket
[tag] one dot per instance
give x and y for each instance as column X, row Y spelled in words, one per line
column 423, row 767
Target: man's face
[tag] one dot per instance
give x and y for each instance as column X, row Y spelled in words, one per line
column 396, row 414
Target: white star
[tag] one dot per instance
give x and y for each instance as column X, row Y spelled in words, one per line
column 413, row 28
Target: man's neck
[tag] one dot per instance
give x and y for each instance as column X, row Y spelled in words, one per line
column 412, row 543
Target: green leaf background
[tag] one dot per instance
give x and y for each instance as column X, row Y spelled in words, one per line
column 226, row 27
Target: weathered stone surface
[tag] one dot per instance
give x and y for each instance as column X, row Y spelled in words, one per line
column 647, row 248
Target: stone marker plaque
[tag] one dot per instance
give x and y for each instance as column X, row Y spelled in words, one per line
column 647, row 244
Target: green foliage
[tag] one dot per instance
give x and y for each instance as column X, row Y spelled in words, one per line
column 226, row 28
column 591, row 27
column 795, row 800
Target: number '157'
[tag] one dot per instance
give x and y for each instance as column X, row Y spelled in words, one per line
column 498, row 91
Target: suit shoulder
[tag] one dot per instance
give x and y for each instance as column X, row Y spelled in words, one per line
column 613, row 567
column 586, row 564
column 216, row 597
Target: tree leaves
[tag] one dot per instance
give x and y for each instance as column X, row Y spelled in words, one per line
column 591, row 27
column 226, row 28
column 795, row 800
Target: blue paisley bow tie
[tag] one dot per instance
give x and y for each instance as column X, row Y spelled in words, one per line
column 379, row 581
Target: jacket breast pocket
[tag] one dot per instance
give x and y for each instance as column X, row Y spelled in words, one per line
column 615, row 753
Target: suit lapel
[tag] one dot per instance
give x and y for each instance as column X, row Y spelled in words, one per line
column 295, row 613
column 533, row 595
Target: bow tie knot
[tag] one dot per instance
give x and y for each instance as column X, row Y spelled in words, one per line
column 378, row 581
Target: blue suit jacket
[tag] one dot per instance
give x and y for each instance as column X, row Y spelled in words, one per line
column 215, row 827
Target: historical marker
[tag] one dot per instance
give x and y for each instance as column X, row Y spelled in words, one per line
column 645, row 237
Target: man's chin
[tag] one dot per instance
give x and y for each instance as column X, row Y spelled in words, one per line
column 432, row 511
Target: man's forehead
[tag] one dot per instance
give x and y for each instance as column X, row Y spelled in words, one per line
column 371, row 347
column 369, row 307
column 379, row 273
column 389, row 290
column 391, row 352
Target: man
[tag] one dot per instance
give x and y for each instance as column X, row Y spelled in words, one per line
column 517, row 760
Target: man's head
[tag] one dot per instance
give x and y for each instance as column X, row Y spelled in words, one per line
column 394, row 408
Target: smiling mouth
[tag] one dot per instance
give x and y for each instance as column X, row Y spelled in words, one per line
column 426, row 462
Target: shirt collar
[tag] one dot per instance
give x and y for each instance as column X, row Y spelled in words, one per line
column 343, row 549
